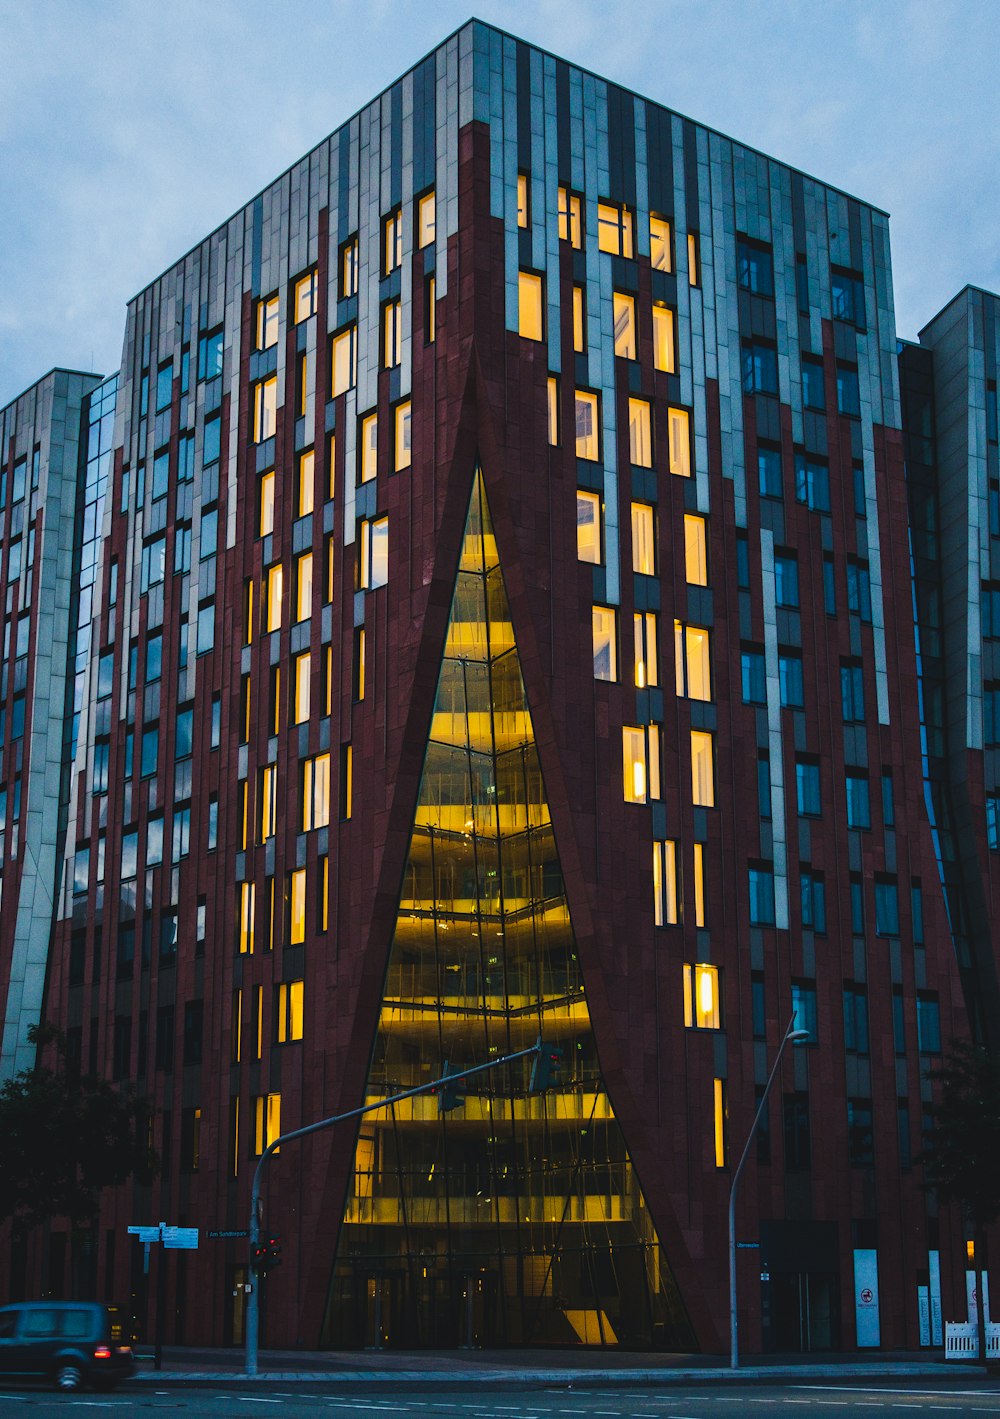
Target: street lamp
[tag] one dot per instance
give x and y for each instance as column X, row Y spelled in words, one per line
column 789, row 1035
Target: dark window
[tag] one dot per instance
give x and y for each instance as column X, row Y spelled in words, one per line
column 210, row 355
column 903, row 1133
column 859, row 813
column 928, row 1024
column 212, row 446
column 194, row 1012
column 898, row 1023
column 804, row 1007
column 126, row 951
column 122, row 1055
column 888, row 802
column 190, row 1140
column 829, row 588
column 761, row 896
column 857, row 907
column 852, row 693
column 769, row 472
column 154, row 658
column 847, row 297
column 786, row 580
column 760, row 369
column 758, row 1008
column 848, row 391
column 150, row 752
column 813, row 391
column 164, row 386
column 790, row 682
column 807, row 789
column 886, row 909
column 764, row 786
column 991, row 712
column 165, row 1037
column 917, row 911
column 812, row 484
column 755, row 268
column 813, row 889
column 859, row 595
column 856, row 1019
column 796, row 1121
column 183, row 738
column 753, row 677
column 860, row 1133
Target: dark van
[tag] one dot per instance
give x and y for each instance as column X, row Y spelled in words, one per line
column 70, row 1342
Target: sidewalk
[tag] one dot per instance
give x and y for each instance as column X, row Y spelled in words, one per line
column 458, row 1369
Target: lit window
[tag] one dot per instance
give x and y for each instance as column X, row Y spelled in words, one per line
column 316, row 792
column 290, row 1000
column 373, row 566
column 721, row 1114
column 303, row 586
column 679, row 440
column 570, row 221
column 695, row 550
column 392, row 246
column 692, row 662
column 402, row 444
column 392, row 334
column 345, row 360
column 624, row 318
column 702, row 769
column 346, row 780
column 522, row 199
column 349, row 268
column 701, row 997
column 359, row 663
column 267, row 503
column 268, row 801
column 426, row 220
column 667, row 897
column 553, row 391
column 588, row 527
column 693, row 273
column 307, row 482
column 369, row 448
column 275, row 701
column 641, row 763
column 643, row 540
column 605, row 644
column 699, row 884
column 332, row 467
column 267, row 1122
column 306, row 293
column 646, row 667
column 587, row 426
column 659, row 244
column 579, row 321
column 297, row 907
column 246, row 915
column 267, row 323
column 302, row 385
column 663, row 338
column 614, row 229
column 301, row 686
column 265, row 409
column 273, row 578
column 640, row 433
column 328, row 585
column 529, row 306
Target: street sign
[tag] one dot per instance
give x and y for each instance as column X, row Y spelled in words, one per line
column 180, row 1237
column 146, row 1234
column 230, row 1232
column 748, row 1246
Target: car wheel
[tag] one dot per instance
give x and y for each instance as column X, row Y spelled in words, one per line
column 68, row 1376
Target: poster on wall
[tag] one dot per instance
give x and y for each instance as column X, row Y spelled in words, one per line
column 866, row 1297
column 934, row 1271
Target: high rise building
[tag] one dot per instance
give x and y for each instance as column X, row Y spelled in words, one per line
column 496, row 620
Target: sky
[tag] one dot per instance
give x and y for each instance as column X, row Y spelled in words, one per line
column 130, row 129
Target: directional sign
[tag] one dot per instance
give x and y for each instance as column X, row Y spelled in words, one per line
column 180, row 1237
column 230, row 1232
column 146, row 1234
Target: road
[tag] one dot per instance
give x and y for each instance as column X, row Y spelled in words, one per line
column 795, row 1401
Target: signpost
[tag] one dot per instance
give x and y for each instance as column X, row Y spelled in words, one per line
column 176, row 1239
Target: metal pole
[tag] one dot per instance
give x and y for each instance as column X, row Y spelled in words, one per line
column 253, row 1300
column 790, row 1034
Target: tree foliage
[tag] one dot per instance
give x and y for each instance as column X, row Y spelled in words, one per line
column 66, row 1136
column 961, row 1153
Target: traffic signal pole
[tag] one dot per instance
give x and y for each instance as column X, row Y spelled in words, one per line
column 253, row 1300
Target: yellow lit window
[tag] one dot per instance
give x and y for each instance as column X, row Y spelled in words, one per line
column 692, row 662
column 579, row 321
column 272, row 597
column 643, row 540
column 426, row 220
column 346, row 780
column 303, row 586
column 392, row 248
column 307, row 482
column 522, row 199
column 275, row 717
column 369, row 448
column 245, row 710
column 667, row 896
column 702, row 769
column 614, row 229
column 624, row 317
column 302, row 383
column 316, row 792
column 359, row 663
column 265, row 409
column 529, row 306
column 659, row 244
column 324, row 894
column 570, row 220
column 699, row 884
column 236, row 1028
column 306, row 294
column 588, row 527
column 605, row 644
column 248, row 608
column 695, row 550
column 429, row 310
column 267, row 323
column 373, row 565
column 641, row 763
column 327, row 682
column 392, row 334
column 332, row 467
column 267, row 1122
column 679, row 440
column 349, row 268
column 266, row 504
column 297, row 907
column 402, row 443
column 721, row 1114
column 587, row 425
column 244, row 791
column 640, row 433
column 328, row 585
column 693, row 274
column 290, row 999
column 268, row 801
column 553, row 390
column 301, row 687
column 646, row 659
column 246, row 917
column 345, row 360
column 236, row 1134
column 701, row 997
column 258, row 1016
column 663, row 339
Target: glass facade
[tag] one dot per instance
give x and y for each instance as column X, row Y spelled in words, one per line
column 517, row 1217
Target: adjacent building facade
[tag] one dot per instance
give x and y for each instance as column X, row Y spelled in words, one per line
column 492, row 616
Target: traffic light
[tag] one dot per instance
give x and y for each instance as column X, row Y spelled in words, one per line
column 545, row 1067
column 450, row 1094
column 260, row 1258
column 273, row 1257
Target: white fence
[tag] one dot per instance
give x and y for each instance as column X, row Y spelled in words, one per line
column 961, row 1341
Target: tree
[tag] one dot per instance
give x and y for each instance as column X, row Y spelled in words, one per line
column 961, row 1155
column 66, row 1136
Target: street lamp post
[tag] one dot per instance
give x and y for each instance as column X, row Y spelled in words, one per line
column 790, row 1035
